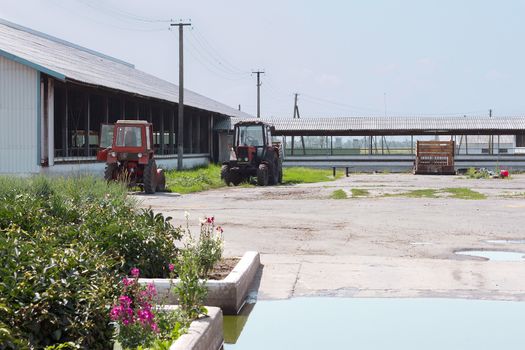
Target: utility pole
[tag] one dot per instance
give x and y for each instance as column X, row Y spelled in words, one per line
column 258, row 72
column 298, row 116
column 180, row 133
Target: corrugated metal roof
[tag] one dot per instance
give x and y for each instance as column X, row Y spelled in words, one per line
column 68, row 61
column 389, row 124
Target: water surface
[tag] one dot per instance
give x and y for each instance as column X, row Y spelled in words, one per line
column 494, row 255
column 366, row 323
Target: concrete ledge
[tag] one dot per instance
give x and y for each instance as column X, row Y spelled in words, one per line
column 229, row 294
column 203, row 334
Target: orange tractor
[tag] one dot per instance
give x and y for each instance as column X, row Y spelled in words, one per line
column 253, row 154
column 127, row 149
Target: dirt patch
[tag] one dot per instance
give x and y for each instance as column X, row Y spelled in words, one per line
column 223, row 268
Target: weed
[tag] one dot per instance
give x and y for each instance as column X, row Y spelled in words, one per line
column 359, row 192
column 464, row 193
column 339, row 194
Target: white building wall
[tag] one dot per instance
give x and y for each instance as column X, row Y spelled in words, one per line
column 18, row 118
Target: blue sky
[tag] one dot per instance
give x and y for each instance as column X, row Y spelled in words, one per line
column 344, row 58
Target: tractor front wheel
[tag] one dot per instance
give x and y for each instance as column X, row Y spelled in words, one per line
column 161, row 181
column 225, row 174
column 149, row 177
column 262, row 175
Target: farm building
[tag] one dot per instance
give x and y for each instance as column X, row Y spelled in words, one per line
column 388, row 143
column 54, row 96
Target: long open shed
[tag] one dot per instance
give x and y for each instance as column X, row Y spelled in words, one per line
column 54, row 95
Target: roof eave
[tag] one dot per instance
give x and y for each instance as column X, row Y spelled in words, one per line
column 33, row 65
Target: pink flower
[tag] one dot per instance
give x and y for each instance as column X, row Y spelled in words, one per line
column 115, row 313
column 152, row 291
column 127, row 282
column 210, row 220
column 135, row 272
column 171, row 267
column 155, row 327
column 125, row 300
column 145, row 316
column 219, row 229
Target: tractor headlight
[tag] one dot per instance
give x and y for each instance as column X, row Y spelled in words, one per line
column 113, row 154
column 140, row 155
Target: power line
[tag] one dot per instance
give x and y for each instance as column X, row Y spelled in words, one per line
column 105, row 7
column 199, row 36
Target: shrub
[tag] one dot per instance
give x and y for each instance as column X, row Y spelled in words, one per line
column 63, row 243
column 210, row 246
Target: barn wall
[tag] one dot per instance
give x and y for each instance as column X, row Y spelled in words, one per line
column 19, row 114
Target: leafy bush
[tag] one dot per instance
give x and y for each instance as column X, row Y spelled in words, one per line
column 63, row 243
column 210, row 246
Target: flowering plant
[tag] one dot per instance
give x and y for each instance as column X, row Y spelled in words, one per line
column 133, row 314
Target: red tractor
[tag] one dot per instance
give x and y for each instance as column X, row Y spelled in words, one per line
column 253, row 154
column 127, row 149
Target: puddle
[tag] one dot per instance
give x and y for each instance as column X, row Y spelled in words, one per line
column 506, row 241
column 373, row 323
column 494, row 255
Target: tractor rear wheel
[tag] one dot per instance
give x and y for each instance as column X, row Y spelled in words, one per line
column 161, row 180
column 110, row 173
column 262, row 175
column 149, row 177
column 273, row 178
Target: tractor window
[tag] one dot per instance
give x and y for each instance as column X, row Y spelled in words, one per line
column 129, row 136
column 250, row 135
column 106, row 135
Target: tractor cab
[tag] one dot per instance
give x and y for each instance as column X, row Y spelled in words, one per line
column 253, row 154
column 251, row 141
column 126, row 140
column 127, row 149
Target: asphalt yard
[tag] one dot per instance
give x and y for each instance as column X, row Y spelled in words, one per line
column 394, row 236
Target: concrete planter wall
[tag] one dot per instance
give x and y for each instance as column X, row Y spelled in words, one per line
column 203, row 334
column 229, row 294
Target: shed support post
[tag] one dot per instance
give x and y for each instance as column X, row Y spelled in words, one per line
column 51, row 121
column 65, row 123
column 197, row 131
column 106, row 109
column 466, row 144
column 171, row 115
column 210, row 138
column 87, row 126
column 370, row 146
column 412, row 144
column 43, row 122
column 331, row 145
column 161, row 138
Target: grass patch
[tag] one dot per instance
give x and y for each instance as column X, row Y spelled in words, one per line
column 423, row 193
column 194, row 180
column 297, row 175
column 464, row 193
column 339, row 194
column 472, row 173
column 359, row 192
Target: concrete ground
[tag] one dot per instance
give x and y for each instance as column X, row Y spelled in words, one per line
column 374, row 246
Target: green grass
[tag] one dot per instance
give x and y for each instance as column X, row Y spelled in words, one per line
column 423, row 193
column 339, row 194
column 359, row 192
column 207, row 178
column 297, row 175
column 194, row 180
column 464, row 193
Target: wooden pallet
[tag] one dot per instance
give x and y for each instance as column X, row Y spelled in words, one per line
column 435, row 157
